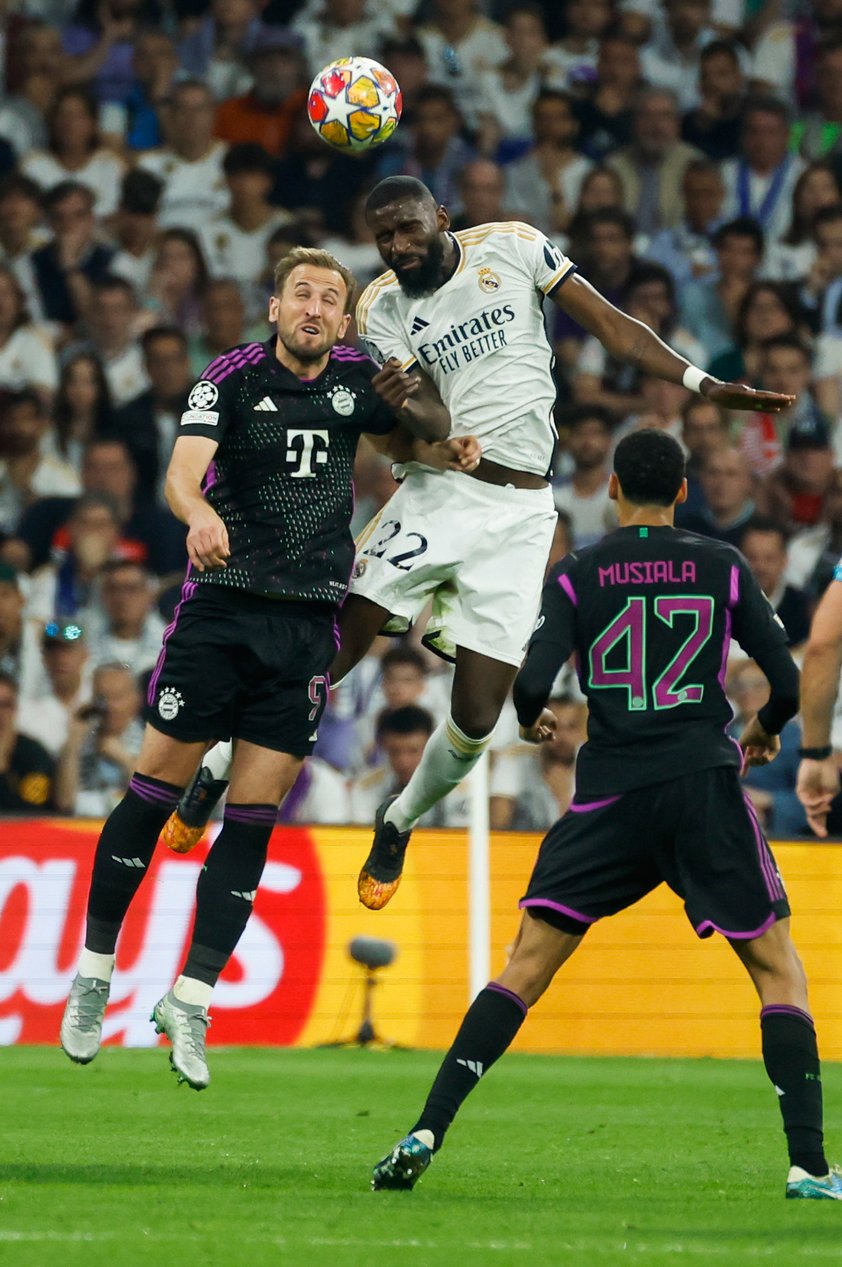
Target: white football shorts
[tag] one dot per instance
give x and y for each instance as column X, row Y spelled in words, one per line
column 477, row 551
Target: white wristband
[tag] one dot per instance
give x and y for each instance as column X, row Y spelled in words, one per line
column 693, row 379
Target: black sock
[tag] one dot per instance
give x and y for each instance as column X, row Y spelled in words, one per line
column 791, row 1057
column 489, row 1027
column 227, row 887
column 124, row 851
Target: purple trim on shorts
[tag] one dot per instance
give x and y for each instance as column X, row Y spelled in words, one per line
column 784, row 1009
column 585, row 807
column 708, row 925
column 252, row 814
column 558, row 906
column 767, row 863
column 509, row 994
column 188, row 589
column 734, row 590
column 151, row 791
column 238, row 359
column 567, row 585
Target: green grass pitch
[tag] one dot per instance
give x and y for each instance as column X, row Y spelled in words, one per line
column 553, row 1161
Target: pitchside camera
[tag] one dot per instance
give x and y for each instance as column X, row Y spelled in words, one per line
column 372, row 952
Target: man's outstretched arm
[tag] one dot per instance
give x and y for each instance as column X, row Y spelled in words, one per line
column 630, row 340
column 818, row 774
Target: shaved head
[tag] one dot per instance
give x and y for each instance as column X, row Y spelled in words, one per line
column 396, row 189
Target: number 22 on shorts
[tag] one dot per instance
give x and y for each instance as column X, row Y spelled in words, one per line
column 390, row 529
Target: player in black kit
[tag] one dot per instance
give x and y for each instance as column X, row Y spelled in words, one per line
column 261, row 474
column 650, row 612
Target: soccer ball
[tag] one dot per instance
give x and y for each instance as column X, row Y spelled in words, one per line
column 354, row 103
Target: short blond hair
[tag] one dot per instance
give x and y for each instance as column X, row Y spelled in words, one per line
column 316, row 259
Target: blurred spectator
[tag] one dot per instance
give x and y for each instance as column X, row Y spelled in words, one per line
column 149, row 423
column 83, row 406
column 401, row 736
column 234, row 243
column 63, row 588
column 72, row 261
column 764, row 545
column 606, row 112
column 460, row 45
column 571, row 63
column 125, row 627
column 26, row 471
column 814, row 552
column 543, row 186
column 792, row 258
column 47, row 717
column 20, row 651
column 40, row 63
column 794, row 493
column 818, row 133
column 190, row 164
column 100, row 44
column 761, row 181
column 102, row 745
column 21, row 231
column 767, row 311
column 114, row 326
column 26, row 355
column 703, row 431
column 148, row 534
column 686, row 248
column 608, row 262
column 784, row 367
column 75, row 151
column 432, row 148
column 725, row 480
column 404, row 55
column 135, row 228
column 671, row 58
column 178, row 280
column 355, row 247
column 308, row 177
column 509, row 91
column 601, row 189
column 785, row 52
column 265, row 114
column 341, row 28
column 822, row 290
column 155, row 65
column 213, row 51
column 26, row 768
column 771, row 788
column 709, row 306
column 652, row 166
column 531, row 788
column 482, row 193
column 223, row 323
column 715, row 125
column 318, row 795
column 583, row 495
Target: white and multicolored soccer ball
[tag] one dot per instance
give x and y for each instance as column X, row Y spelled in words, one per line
column 354, row 104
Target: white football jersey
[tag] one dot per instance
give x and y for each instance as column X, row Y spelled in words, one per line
column 481, row 339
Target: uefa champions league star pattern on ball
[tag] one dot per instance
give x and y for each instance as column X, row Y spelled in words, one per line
column 354, row 104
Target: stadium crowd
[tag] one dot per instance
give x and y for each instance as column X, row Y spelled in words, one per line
column 156, row 162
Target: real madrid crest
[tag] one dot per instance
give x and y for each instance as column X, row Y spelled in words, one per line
column 488, row 280
column 343, row 401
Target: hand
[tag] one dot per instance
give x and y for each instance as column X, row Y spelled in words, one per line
column 395, row 386
column 207, row 539
column 541, row 730
column 456, row 453
column 112, row 749
column 758, row 748
column 738, row 396
column 817, row 785
column 71, row 247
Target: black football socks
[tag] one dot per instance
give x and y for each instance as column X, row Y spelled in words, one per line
column 791, row 1057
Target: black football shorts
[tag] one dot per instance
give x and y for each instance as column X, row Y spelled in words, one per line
column 698, row 833
column 235, row 664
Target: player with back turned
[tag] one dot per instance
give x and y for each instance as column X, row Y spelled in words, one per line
column 650, row 612
column 261, row 476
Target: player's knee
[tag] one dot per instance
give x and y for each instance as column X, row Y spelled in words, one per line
column 477, row 718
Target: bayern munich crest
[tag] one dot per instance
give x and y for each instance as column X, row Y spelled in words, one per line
column 203, row 395
column 170, row 700
column 343, row 401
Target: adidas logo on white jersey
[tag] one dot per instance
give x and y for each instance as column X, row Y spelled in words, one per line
column 266, row 406
column 475, row 1066
column 418, row 325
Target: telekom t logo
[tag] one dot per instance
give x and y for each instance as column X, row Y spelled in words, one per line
column 312, row 450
